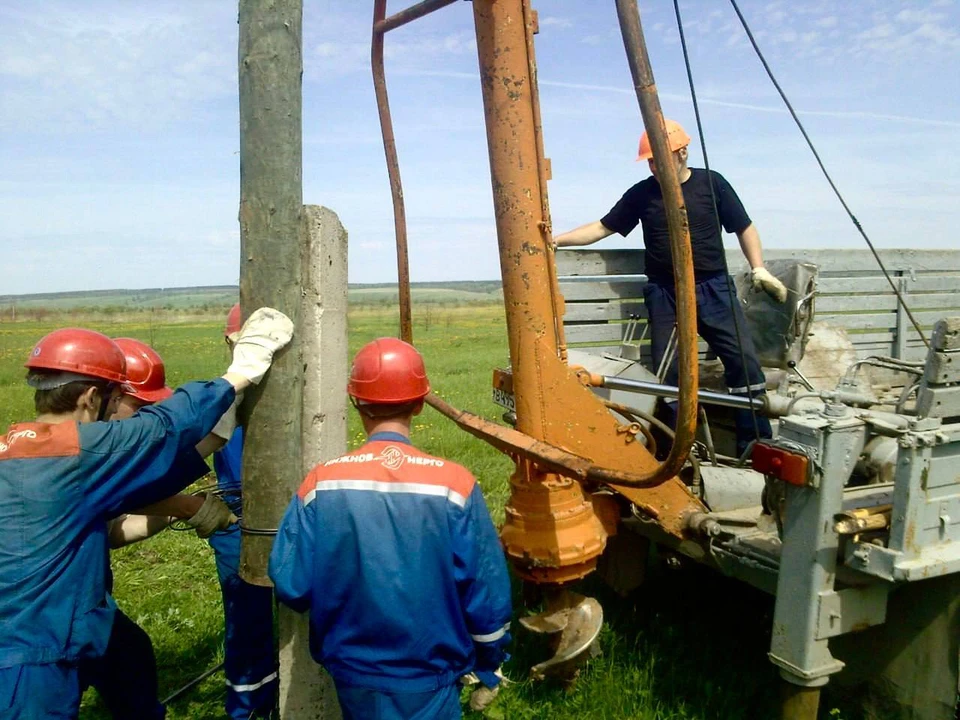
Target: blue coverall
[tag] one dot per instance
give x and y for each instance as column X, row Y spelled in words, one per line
column 250, row 662
column 59, row 484
column 125, row 676
column 394, row 555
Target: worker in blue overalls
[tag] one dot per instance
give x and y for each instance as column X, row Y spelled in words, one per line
column 711, row 204
column 250, row 663
column 393, row 554
column 64, row 475
column 125, row 676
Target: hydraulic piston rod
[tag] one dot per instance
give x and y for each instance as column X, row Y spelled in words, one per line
column 708, row 397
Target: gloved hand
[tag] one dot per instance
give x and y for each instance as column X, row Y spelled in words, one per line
column 265, row 331
column 213, row 515
column 763, row 279
column 482, row 696
column 228, row 421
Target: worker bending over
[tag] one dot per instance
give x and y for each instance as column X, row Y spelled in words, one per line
column 125, row 676
column 64, row 475
column 393, row 553
column 720, row 320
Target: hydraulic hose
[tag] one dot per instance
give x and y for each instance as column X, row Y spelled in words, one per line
column 680, row 250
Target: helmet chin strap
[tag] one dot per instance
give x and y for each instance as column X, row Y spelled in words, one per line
column 378, row 411
column 104, row 395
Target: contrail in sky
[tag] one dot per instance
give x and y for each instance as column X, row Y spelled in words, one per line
column 675, row 97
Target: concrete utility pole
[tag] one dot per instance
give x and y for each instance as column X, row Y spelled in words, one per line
column 289, row 254
column 271, row 198
column 306, row 691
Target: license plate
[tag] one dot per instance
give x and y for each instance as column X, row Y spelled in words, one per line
column 504, row 399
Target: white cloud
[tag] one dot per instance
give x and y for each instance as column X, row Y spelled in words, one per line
column 76, row 66
column 920, row 17
column 557, row 22
column 153, row 87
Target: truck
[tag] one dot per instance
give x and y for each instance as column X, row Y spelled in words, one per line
column 849, row 516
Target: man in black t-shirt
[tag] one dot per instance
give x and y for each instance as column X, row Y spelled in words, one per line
column 718, row 312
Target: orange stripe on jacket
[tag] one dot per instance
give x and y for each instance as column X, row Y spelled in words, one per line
column 39, row 440
column 387, row 461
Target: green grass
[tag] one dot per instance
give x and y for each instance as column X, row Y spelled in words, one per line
column 689, row 645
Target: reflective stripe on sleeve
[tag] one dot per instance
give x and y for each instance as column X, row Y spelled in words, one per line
column 491, row 637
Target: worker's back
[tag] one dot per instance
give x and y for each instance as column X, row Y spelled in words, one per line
column 395, row 553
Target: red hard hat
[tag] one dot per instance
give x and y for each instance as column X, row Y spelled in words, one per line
column 79, row 351
column 233, row 321
column 388, row 371
column 146, row 377
column 676, row 136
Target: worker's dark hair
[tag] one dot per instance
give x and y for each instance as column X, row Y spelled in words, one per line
column 386, row 411
column 62, row 399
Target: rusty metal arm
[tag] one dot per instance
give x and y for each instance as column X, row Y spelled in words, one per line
column 414, row 12
column 547, row 457
column 543, row 171
column 678, row 226
column 382, row 25
column 508, row 440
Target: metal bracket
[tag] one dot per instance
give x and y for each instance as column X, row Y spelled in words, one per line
column 850, row 610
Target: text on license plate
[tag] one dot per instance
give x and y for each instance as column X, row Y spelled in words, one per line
column 504, row 399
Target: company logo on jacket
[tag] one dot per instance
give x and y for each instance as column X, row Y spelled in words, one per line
column 391, row 457
column 393, row 469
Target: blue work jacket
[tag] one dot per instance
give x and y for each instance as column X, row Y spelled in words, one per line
column 58, row 486
column 395, row 556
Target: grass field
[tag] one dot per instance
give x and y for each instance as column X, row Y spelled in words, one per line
column 688, row 645
column 44, row 307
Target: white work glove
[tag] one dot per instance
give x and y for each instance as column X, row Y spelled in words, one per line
column 228, row 421
column 482, row 696
column 213, row 515
column 265, row 331
column 763, row 279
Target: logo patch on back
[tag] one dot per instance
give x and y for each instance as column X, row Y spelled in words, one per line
column 392, row 457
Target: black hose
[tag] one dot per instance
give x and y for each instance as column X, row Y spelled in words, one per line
column 192, row 684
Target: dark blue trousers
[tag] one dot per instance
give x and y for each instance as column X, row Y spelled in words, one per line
column 126, row 675
column 716, row 315
column 250, row 663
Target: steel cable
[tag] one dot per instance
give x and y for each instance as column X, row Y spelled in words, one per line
column 731, row 291
column 823, row 169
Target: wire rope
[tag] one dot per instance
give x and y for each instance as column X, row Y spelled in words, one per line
column 731, row 291
column 826, row 174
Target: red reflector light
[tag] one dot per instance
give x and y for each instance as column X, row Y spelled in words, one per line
column 782, row 464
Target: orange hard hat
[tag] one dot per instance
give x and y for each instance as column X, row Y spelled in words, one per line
column 676, row 136
column 388, row 371
column 78, row 351
column 233, row 321
column 146, row 376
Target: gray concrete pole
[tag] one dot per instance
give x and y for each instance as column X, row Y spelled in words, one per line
column 271, row 197
column 306, row 691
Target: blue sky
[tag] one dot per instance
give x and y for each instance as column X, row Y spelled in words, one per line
column 119, row 130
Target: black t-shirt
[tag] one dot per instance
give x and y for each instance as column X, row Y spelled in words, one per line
column 643, row 203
